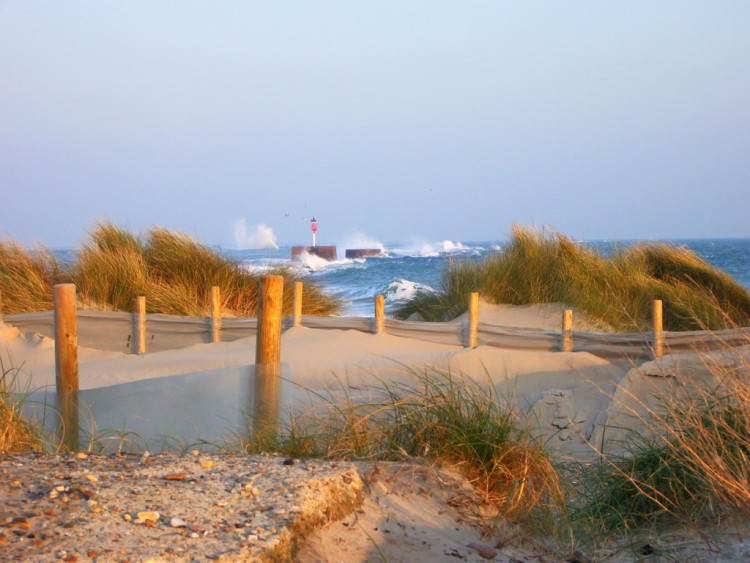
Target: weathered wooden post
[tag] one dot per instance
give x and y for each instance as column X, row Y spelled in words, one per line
column 138, row 338
column 379, row 325
column 66, row 363
column 658, row 327
column 472, row 333
column 268, row 354
column 297, row 316
column 215, row 314
column 567, row 330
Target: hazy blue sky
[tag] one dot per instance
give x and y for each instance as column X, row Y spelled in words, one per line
column 400, row 121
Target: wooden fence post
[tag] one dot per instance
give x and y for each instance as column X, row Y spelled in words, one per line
column 268, row 354
column 379, row 327
column 297, row 316
column 658, row 327
column 567, row 330
column 215, row 314
column 66, row 363
column 138, row 338
column 472, row 338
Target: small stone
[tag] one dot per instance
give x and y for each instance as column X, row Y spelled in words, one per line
column 177, row 522
column 194, row 535
column 127, row 517
column 176, row 476
column 148, row 516
column 92, row 478
column 485, row 551
column 82, row 455
column 207, row 464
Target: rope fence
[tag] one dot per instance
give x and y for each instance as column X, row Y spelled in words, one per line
column 140, row 333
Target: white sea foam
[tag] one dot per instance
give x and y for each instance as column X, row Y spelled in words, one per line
column 264, row 266
column 401, row 290
column 315, row 262
column 262, row 236
column 450, row 246
column 431, row 249
column 361, row 240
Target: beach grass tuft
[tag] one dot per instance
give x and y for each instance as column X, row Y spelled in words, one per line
column 617, row 291
column 16, row 433
column 437, row 416
column 690, row 465
column 174, row 272
column 27, row 278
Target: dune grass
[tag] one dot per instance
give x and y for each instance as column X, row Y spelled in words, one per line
column 437, row 416
column 617, row 291
column 27, row 278
column 689, row 466
column 174, row 272
column 16, row 433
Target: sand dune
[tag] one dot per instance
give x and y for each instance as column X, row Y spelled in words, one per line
column 204, row 391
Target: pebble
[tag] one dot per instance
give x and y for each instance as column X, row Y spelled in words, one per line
column 485, row 551
column 148, row 515
column 177, row 522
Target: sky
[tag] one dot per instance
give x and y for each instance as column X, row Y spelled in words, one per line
column 237, row 122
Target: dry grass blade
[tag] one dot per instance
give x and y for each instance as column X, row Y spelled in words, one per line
column 26, row 278
column 16, row 433
column 689, row 464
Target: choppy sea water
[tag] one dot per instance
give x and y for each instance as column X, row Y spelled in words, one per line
column 401, row 270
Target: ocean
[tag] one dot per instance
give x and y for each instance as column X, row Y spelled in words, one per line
column 402, row 269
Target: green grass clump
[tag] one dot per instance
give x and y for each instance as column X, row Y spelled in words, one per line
column 174, row 272
column 617, row 291
column 692, row 467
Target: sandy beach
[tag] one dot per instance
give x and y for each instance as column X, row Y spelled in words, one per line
column 580, row 403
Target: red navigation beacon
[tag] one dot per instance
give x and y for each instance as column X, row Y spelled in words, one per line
column 314, row 229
